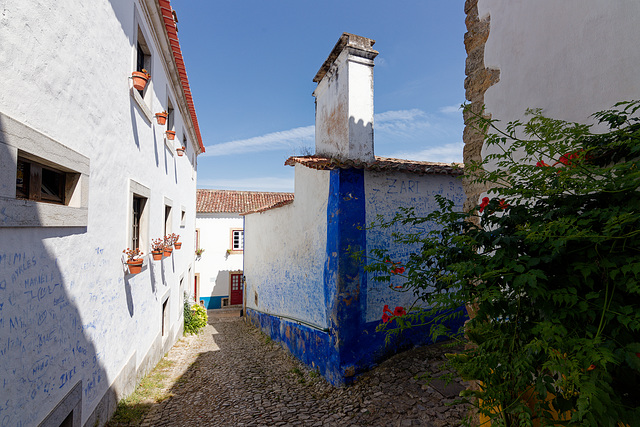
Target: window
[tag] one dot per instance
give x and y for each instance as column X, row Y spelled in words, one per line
column 143, row 58
column 35, row 181
column 167, row 216
column 237, row 240
column 171, row 115
column 138, row 206
column 49, row 189
column 138, row 217
column 165, row 317
column 183, row 217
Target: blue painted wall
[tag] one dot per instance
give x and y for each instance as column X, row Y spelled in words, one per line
column 348, row 343
column 213, row 302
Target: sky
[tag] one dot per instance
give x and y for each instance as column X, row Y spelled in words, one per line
column 251, row 65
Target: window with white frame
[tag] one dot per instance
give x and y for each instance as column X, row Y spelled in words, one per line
column 237, row 240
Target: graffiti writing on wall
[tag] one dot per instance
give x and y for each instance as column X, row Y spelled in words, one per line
column 385, row 195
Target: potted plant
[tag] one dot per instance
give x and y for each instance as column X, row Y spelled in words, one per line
column 171, row 134
column 134, row 260
column 169, row 240
column 157, row 248
column 140, row 79
column 199, row 252
column 180, row 151
column 177, row 244
column 162, row 117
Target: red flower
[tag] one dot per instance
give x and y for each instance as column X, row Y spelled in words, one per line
column 398, row 270
column 385, row 317
column 503, row 205
column 387, row 309
column 398, row 287
column 541, row 164
column 591, row 367
column 387, row 260
column 399, row 311
column 485, row 202
column 637, row 354
column 566, row 158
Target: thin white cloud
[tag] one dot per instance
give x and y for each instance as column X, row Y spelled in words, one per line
column 267, row 183
column 292, row 138
column 450, row 109
column 447, row 153
column 391, row 127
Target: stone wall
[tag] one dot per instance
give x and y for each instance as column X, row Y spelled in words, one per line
column 479, row 79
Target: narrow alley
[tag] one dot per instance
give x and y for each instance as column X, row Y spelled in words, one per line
column 240, row 378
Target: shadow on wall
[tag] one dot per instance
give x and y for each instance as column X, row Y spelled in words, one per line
column 49, row 368
column 220, row 291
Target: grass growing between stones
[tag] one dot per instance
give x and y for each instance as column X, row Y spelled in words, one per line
column 132, row 409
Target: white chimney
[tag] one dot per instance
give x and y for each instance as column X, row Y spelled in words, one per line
column 344, row 100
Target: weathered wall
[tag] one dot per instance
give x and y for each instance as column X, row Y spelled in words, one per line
column 285, row 252
column 570, row 58
column 344, row 101
column 215, row 264
column 384, row 194
column 70, row 314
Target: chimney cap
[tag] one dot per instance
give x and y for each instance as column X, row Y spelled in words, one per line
column 346, row 40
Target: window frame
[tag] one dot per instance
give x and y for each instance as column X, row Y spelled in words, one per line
column 19, row 141
column 232, row 249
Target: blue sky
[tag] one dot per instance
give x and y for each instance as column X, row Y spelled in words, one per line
column 251, row 63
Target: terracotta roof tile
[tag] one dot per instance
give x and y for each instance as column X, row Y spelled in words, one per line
column 380, row 164
column 170, row 26
column 218, row 201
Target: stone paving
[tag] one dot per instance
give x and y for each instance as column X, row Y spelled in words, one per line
column 240, row 378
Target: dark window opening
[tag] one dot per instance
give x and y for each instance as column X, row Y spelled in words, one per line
column 138, row 205
column 38, row 182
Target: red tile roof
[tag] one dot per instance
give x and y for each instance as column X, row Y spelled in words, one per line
column 172, row 34
column 380, row 164
column 214, row 201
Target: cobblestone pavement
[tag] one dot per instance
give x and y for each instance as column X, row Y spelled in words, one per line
column 240, row 378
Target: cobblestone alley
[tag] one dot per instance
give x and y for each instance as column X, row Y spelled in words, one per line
column 239, row 378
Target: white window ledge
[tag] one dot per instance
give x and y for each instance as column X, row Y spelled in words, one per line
column 146, row 111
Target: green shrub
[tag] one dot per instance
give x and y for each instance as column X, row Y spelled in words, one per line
column 195, row 317
column 550, row 264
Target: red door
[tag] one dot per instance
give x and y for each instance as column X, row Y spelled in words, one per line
column 236, row 289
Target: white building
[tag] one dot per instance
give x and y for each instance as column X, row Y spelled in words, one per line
column 570, row 58
column 304, row 286
column 220, row 231
column 85, row 172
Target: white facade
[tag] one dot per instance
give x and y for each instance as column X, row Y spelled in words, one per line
column 285, row 251
column 218, row 260
column 344, row 100
column 76, row 329
column 570, row 58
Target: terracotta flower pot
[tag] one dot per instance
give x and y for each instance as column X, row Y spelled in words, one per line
column 162, row 118
column 157, row 255
column 167, row 251
column 177, row 245
column 171, row 134
column 140, row 80
column 180, row 151
column 135, row 266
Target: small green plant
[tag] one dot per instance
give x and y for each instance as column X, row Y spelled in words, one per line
column 132, row 409
column 297, row 372
column 548, row 266
column 195, row 317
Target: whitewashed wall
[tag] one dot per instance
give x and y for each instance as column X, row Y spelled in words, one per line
column 570, row 58
column 68, row 312
column 285, row 251
column 384, row 194
column 215, row 264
